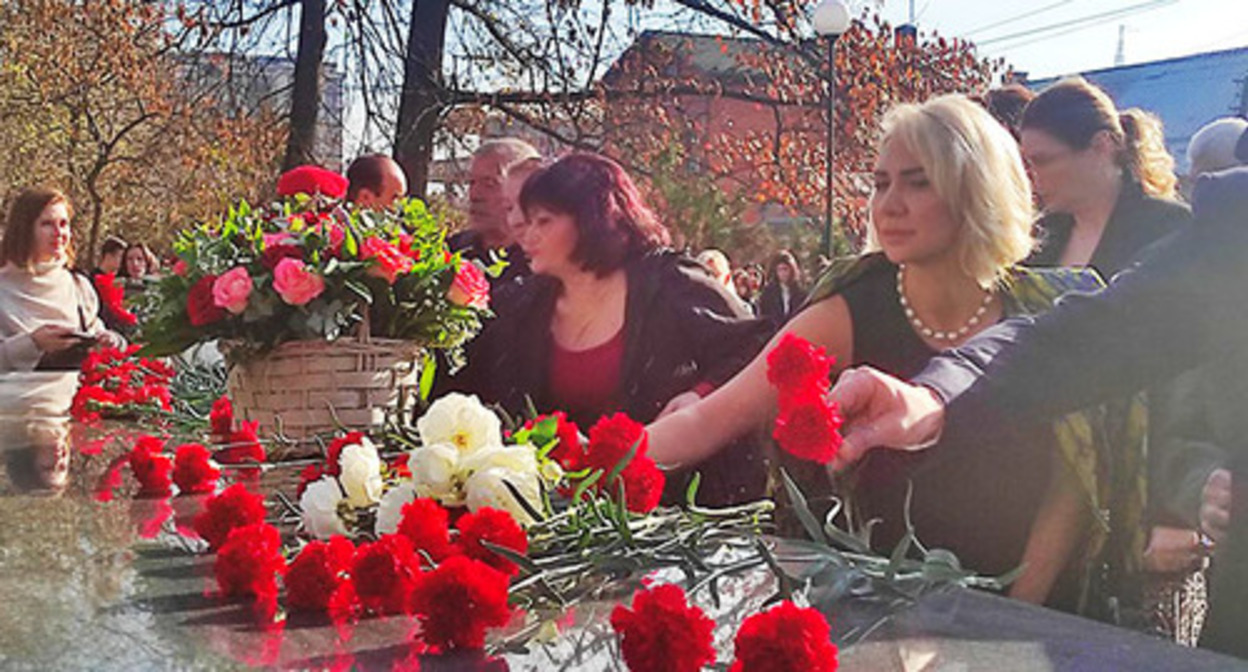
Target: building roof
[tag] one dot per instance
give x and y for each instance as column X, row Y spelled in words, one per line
column 1186, row 92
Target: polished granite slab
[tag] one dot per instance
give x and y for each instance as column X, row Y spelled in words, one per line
column 98, row 581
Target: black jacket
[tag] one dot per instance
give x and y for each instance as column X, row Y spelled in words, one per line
column 681, row 328
column 771, row 304
column 1184, row 305
column 1138, row 221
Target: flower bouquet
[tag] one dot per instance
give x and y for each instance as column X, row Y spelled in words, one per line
column 322, row 310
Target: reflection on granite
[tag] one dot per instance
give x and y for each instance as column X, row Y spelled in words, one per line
column 95, row 579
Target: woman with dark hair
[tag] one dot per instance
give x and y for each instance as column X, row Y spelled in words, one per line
column 612, row 320
column 49, row 316
column 785, row 290
column 1107, row 186
column 136, row 264
column 1104, row 178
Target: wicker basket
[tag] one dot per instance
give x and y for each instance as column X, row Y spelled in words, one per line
column 302, row 386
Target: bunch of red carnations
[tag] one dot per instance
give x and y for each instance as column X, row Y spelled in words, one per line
column 117, row 383
column 807, row 423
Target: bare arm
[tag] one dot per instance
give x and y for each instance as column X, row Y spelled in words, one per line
column 696, row 432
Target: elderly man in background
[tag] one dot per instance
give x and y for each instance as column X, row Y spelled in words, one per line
column 488, row 234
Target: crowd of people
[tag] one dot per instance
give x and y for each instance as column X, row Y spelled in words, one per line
column 1089, row 441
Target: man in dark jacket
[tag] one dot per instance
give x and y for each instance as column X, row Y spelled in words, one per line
column 1185, row 304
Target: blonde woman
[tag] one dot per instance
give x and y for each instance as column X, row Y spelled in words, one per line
column 950, row 220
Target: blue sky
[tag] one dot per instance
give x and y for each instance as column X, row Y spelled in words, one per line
column 1081, row 34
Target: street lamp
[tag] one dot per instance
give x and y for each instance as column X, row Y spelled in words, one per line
column 831, row 20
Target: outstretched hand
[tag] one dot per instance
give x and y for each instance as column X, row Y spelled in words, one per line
column 880, row 410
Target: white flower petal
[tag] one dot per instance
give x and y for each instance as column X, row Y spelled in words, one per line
column 460, row 420
column 361, row 474
column 390, row 511
column 320, row 509
column 435, row 473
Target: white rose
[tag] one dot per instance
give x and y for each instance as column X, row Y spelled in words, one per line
column 522, row 458
column 361, row 474
column 435, row 473
column 390, row 512
column 487, row 487
column 462, row 421
column 320, row 509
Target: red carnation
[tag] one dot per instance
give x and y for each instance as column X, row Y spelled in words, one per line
column 222, row 416
column 795, row 366
column 242, row 446
column 498, row 528
column 388, row 261
column 312, row 180
column 610, row 441
column 192, row 470
column 111, row 295
column 89, row 401
column 568, row 452
column 310, row 474
column 384, row 573
column 234, row 507
column 399, row 465
column 663, row 633
column 458, row 601
column 344, row 604
column 201, row 307
column 425, row 523
column 249, row 563
column 334, row 452
column 807, row 427
column 150, row 468
column 317, row 573
column 785, row 638
column 643, row 484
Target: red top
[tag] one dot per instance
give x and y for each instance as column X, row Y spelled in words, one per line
column 583, row 383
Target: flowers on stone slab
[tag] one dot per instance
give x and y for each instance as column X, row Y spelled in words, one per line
column 317, row 573
column 193, row 470
column 361, row 473
column 390, row 511
column 807, row 423
column 457, row 602
column 662, row 632
column 496, row 527
column 427, row 525
column 118, row 383
column 249, row 563
column 151, row 468
column 320, row 504
column 785, row 638
column 384, row 573
column 233, row 507
column 612, row 440
column 462, row 421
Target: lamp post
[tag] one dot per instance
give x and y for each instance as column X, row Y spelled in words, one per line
column 831, row 20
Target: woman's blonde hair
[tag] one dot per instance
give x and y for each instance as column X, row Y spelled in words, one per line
column 974, row 165
column 1074, row 111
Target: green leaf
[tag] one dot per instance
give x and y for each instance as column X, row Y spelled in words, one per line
column 691, row 492
column 428, row 370
column 520, row 559
column 524, row 502
column 801, row 509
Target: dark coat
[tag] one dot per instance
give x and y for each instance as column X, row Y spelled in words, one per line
column 682, row 328
column 1186, row 304
column 1138, row 221
column 771, row 304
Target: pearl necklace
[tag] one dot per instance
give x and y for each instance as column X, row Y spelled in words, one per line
column 927, row 331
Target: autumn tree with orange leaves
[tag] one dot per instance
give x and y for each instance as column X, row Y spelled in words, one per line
column 95, row 99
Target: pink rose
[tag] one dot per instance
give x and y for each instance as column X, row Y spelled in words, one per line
column 296, row 283
column 180, row 268
column 470, row 287
column 388, row 260
column 231, row 290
